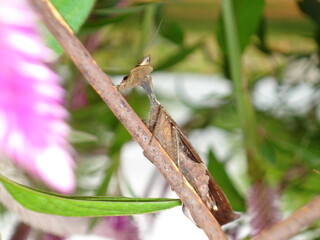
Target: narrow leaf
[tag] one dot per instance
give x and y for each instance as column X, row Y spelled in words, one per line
column 81, row 137
column 173, row 32
column 312, row 157
column 311, row 8
column 117, row 10
column 177, row 57
column 101, row 22
column 267, row 149
column 84, row 206
column 248, row 14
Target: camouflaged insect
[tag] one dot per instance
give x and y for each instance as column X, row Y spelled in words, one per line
column 179, row 148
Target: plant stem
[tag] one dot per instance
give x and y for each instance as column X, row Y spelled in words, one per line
column 245, row 110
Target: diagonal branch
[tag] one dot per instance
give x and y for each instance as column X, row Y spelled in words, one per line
column 122, row 110
column 294, row 224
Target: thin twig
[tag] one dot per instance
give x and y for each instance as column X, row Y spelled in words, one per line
column 122, row 110
column 294, row 224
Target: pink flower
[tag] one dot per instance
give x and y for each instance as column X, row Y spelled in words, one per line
column 33, row 130
column 48, row 236
column 121, row 228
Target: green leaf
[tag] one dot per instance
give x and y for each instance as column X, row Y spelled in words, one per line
column 74, row 13
column 117, row 10
column 297, row 148
column 101, row 22
column 267, row 149
column 114, row 15
column 311, row 8
column 177, row 57
column 248, row 14
column 80, row 137
column 84, row 206
column 311, row 183
column 217, row 170
column 173, row 32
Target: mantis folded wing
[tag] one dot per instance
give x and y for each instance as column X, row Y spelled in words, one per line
column 178, row 147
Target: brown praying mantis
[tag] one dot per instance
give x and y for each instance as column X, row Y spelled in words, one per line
column 178, row 147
